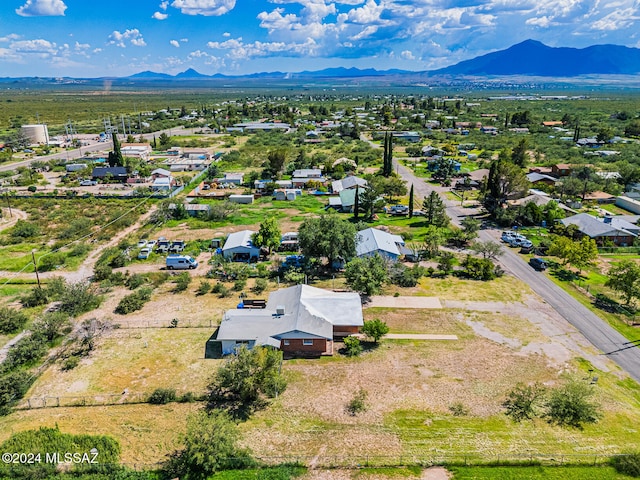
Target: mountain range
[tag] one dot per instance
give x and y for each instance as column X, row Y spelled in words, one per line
column 528, row 58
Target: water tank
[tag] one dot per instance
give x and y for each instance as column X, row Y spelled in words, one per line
column 36, row 133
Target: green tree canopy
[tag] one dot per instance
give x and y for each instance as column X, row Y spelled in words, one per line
column 328, row 236
column 624, row 278
column 366, row 274
column 246, row 382
column 268, row 235
column 375, row 329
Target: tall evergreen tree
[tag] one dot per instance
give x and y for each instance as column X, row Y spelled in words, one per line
column 435, row 210
column 115, row 158
column 411, row 202
column 356, row 203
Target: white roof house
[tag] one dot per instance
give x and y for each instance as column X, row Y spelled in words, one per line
column 372, row 241
column 348, row 182
column 161, row 172
column 307, row 315
column 239, row 246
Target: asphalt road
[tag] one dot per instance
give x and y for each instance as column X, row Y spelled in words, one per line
column 625, row 352
column 81, row 152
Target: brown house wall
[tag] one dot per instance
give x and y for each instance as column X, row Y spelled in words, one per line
column 295, row 346
column 341, row 331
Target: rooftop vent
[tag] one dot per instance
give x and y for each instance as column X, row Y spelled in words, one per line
column 280, row 310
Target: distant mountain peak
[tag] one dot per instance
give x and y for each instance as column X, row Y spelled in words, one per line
column 534, row 58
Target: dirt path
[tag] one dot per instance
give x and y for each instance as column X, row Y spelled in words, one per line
column 436, row 473
column 85, row 270
column 5, row 349
column 9, row 220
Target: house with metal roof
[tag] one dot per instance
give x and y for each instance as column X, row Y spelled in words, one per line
column 347, row 183
column 239, row 247
column 604, row 230
column 373, row 241
column 115, row 174
column 299, row 320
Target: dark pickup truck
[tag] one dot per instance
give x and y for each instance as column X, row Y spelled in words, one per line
column 177, row 246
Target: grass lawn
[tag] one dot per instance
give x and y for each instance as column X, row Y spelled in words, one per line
column 536, row 473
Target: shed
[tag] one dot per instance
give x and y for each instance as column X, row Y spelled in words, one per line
column 239, row 247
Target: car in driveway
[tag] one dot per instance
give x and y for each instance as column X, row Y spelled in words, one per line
column 88, row 183
column 142, row 243
column 144, row 253
column 538, row 263
column 507, row 236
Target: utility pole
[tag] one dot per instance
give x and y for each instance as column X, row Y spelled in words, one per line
column 35, row 266
column 6, row 193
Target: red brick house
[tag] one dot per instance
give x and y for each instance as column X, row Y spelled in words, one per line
column 299, row 320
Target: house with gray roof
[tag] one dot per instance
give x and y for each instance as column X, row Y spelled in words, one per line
column 348, row 183
column 604, row 230
column 299, row 320
column 239, row 247
column 535, row 177
column 373, row 241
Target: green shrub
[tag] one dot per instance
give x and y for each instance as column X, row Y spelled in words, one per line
column 260, row 286
column 358, row 403
column 182, row 282
column 11, row 320
column 458, row 409
column 352, row 346
column 70, row 363
column 162, row 396
column 627, row 464
column 78, row 298
column 135, row 280
column 13, row 386
column 101, row 272
column 203, row 288
column 239, row 285
column 134, row 301
column 26, row 352
column 37, row 297
column 524, row 402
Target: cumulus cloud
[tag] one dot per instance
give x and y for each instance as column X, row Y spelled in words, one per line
column 133, row 36
column 407, row 55
column 226, row 34
column 175, row 43
column 207, row 8
column 42, row 8
column 239, row 50
column 160, row 16
column 10, row 37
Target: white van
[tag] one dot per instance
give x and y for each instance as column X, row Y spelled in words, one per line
column 181, row 262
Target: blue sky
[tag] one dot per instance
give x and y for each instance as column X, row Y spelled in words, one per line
column 86, row 38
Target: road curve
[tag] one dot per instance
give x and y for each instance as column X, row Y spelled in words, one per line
column 625, row 352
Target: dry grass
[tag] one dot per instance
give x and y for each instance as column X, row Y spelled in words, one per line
column 503, row 289
column 405, row 320
column 138, row 360
column 146, row 433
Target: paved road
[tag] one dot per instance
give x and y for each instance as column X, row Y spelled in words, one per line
column 81, row 152
column 618, row 348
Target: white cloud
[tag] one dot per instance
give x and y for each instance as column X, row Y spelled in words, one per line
column 39, row 45
column 238, row 50
column 368, row 13
column 226, row 34
column 164, row 5
column 365, row 33
column 184, row 40
column 9, row 38
column 160, row 16
column 207, row 8
column 132, row 35
column 42, row 8
column 175, row 43
column 407, row 55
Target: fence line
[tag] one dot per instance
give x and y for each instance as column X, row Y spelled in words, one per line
column 98, row 400
column 425, row 460
column 124, row 324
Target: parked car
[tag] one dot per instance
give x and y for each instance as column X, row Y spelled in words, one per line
column 142, row 243
column 144, row 253
column 181, row 262
column 506, row 236
column 177, row 246
column 538, row 263
column 88, row 183
column 163, row 246
column 526, row 248
column 398, row 210
column 151, row 244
